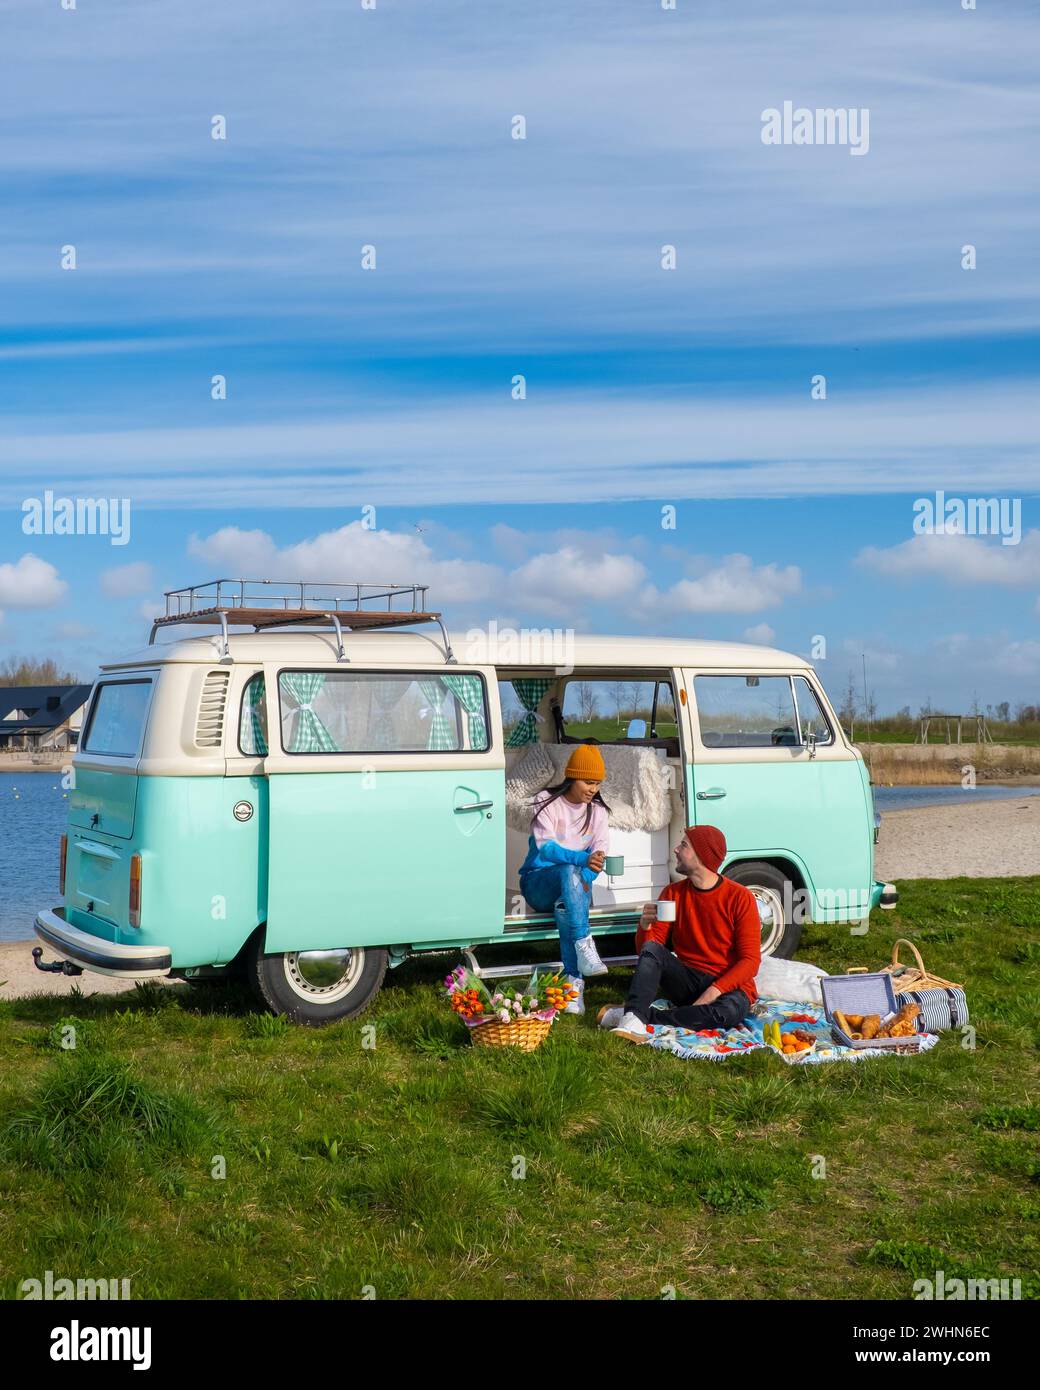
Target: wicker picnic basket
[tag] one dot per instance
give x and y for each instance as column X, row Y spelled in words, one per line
column 525, row 1033
column 907, row 978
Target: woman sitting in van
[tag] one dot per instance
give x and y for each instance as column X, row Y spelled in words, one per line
column 565, row 853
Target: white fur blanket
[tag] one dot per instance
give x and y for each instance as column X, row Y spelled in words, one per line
column 636, row 788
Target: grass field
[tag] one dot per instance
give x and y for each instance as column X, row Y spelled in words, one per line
column 394, row 1167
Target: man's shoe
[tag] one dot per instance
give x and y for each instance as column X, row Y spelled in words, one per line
column 632, row 1029
column 589, row 962
column 576, row 1006
column 610, row 1015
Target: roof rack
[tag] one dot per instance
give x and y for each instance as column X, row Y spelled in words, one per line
column 267, row 603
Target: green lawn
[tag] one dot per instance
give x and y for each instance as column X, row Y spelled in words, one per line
column 393, row 1167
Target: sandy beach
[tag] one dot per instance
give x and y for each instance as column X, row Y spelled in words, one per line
column 997, row 839
column 19, row 976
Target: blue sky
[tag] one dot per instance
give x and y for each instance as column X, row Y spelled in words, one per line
column 496, row 257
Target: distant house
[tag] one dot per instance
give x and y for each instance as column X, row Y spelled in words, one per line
column 40, row 718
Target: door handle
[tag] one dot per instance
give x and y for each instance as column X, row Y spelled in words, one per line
column 474, row 806
column 712, row 794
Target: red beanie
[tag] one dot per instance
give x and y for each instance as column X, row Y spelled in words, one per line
column 709, row 845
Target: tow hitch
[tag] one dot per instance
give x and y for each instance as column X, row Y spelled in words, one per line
column 60, row 967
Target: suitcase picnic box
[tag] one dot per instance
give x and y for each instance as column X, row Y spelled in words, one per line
column 863, row 994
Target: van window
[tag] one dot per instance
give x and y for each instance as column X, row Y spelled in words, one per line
column 382, row 712
column 748, row 711
column 603, row 708
column 811, row 717
column 117, row 716
column 252, row 719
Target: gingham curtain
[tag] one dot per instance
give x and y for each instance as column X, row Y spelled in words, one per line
column 529, row 692
column 386, row 695
column 470, row 690
column 442, row 735
column 251, row 729
column 309, row 734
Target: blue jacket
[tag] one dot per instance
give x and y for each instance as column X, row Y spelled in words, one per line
column 550, row 854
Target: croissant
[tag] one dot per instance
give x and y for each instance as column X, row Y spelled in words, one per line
column 904, row 1025
column 871, row 1025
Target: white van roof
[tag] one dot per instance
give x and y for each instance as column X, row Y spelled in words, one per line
column 531, row 647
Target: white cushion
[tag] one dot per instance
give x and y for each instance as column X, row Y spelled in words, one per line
column 795, row 980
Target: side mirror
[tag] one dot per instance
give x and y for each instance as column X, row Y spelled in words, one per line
column 636, row 728
column 810, row 742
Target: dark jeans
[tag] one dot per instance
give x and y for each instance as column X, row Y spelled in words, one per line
column 660, row 972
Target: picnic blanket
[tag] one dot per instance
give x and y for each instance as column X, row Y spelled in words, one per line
column 718, row 1044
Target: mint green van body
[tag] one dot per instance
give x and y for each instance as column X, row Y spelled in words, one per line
column 312, row 818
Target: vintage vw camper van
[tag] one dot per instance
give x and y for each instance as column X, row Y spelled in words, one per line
column 316, row 799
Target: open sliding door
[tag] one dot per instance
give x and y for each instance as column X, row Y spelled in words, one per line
column 387, row 806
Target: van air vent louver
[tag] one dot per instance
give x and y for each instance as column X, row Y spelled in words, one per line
column 209, row 730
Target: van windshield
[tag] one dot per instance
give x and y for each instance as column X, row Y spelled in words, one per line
column 117, row 718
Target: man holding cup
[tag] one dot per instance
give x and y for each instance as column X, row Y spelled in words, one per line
column 699, row 947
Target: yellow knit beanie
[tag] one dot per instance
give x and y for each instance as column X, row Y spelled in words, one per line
column 586, row 764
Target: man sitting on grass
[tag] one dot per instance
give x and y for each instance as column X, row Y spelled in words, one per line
column 716, row 938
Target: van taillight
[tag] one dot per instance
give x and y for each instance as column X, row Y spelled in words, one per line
column 61, row 866
column 135, row 890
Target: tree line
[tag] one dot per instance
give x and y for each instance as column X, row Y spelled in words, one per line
column 27, row 671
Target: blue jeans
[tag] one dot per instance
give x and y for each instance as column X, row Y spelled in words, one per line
column 560, row 889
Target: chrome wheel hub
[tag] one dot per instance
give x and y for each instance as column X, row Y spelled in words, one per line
column 323, row 976
column 770, row 916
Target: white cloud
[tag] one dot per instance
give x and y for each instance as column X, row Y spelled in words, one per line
column 736, row 586
column 238, row 551
column 959, row 559
column 761, row 634
column 350, row 554
column 30, row 583
column 126, row 581
column 577, row 446
column 558, row 581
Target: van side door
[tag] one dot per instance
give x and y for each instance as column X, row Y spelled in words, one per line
column 386, row 806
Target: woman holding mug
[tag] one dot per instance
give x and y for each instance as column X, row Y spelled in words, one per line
column 566, row 851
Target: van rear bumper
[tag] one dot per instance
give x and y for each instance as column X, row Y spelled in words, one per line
column 98, row 955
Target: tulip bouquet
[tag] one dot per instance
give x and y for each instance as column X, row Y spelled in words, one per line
column 538, row 1001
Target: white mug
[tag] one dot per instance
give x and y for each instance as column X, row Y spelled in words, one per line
column 666, row 910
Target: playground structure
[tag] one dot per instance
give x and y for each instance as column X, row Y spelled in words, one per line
column 982, row 733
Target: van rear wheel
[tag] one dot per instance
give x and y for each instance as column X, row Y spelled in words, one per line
column 774, row 895
column 316, row 987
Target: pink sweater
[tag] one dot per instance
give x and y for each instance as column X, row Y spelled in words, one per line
column 564, row 821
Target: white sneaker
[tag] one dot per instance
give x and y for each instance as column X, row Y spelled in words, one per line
column 632, row 1029
column 589, row 962
column 610, row 1015
column 576, row 1006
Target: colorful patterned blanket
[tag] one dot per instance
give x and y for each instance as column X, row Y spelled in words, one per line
column 717, row 1044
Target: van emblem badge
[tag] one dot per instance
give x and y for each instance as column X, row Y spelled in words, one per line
column 243, row 810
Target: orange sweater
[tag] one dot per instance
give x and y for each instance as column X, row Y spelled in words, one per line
column 716, row 931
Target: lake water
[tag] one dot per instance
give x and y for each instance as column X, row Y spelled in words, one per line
column 33, row 808
column 909, row 798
